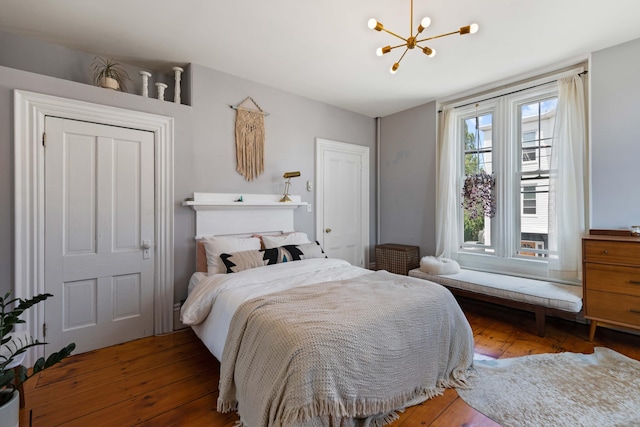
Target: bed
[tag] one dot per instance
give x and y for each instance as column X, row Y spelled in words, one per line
column 305, row 340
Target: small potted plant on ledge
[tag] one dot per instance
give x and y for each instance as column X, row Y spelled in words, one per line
column 109, row 74
column 13, row 347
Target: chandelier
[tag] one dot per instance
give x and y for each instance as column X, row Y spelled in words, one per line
column 412, row 41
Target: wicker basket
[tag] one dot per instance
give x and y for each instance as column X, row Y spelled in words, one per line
column 398, row 259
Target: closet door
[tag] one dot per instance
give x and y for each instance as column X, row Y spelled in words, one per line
column 99, row 234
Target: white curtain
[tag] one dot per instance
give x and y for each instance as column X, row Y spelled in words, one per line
column 447, row 189
column 567, row 196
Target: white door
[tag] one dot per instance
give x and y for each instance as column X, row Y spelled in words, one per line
column 99, row 234
column 343, row 195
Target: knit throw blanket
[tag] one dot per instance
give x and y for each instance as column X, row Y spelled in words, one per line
column 345, row 353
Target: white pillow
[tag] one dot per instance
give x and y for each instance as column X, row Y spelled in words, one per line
column 214, row 246
column 439, row 265
column 275, row 241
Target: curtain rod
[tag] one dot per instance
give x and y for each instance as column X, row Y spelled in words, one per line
column 510, row 93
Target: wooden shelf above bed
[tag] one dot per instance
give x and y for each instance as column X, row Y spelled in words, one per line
column 213, row 201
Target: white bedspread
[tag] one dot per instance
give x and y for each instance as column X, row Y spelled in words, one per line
column 214, row 299
column 349, row 353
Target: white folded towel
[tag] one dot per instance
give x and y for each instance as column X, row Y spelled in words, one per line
column 439, row 265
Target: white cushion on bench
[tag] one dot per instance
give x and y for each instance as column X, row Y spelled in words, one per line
column 537, row 292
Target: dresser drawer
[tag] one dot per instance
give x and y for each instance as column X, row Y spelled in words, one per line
column 612, row 252
column 615, row 307
column 612, row 278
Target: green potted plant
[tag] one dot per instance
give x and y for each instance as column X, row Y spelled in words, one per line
column 12, row 351
column 109, row 74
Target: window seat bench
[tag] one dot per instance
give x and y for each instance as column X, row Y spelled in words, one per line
column 540, row 297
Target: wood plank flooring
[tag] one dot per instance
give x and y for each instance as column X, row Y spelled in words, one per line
column 171, row 380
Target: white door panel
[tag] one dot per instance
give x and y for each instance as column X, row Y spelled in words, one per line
column 342, row 211
column 342, row 200
column 99, row 196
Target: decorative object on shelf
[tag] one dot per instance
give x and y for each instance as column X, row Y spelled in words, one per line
column 145, row 83
column 250, row 137
column 13, row 347
column 287, row 184
column 635, row 230
column 412, row 41
column 161, row 87
column 176, row 93
column 109, row 74
column 478, row 197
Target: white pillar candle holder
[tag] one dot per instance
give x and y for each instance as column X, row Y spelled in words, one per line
column 161, row 87
column 145, row 83
column 178, row 73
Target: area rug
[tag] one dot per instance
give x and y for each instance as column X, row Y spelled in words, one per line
column 564, row 389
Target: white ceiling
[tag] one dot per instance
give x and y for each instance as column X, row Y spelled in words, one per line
column 323, row 50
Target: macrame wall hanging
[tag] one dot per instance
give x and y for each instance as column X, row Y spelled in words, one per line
column 250, row 137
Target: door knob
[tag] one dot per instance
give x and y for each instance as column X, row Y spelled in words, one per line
column 146, row 244
column 327, row 230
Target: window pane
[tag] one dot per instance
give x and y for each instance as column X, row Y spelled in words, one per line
column 536, row 126
column 477, row 158
column 529, row 199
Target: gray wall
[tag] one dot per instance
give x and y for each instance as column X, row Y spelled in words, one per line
column 408, row 178
column 204, row 138
column 615, row 136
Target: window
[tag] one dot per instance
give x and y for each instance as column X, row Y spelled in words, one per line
column 528, row 141
column 529, row 199
column 510, row 137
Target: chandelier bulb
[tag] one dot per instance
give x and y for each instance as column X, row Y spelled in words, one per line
column 382, row 50
column 373, row 24
column 394, row 68
column 426, row 21
column 429, row 52
column 473, row 28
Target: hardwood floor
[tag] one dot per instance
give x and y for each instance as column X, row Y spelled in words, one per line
column 171, row 380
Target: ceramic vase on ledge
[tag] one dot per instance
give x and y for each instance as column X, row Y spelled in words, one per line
column 178, row 72
column 161, row 87
column 109, row 83
column 145, row 83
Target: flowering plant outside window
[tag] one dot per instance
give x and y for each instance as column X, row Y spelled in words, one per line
column 477, row 195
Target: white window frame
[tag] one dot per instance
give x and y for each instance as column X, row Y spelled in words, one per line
column 506, row 159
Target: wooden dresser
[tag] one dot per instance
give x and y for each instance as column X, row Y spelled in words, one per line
column 611, row 280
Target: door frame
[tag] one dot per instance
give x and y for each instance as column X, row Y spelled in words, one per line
column 30, row 110
column 323, row 145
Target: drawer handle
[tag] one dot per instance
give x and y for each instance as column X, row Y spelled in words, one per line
column 634, row 311
column 605, row 252
column 634, row 282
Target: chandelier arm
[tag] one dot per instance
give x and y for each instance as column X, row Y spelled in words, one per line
column 437, row 37
column 394, row 34
column 399, row 45
column 403, row 54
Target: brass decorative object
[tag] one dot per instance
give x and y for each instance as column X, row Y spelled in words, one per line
column 287, row 184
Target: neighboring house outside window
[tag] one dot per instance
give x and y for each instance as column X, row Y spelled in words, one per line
column 513, row 141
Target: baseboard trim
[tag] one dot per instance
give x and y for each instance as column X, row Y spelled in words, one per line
column 177, row 324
